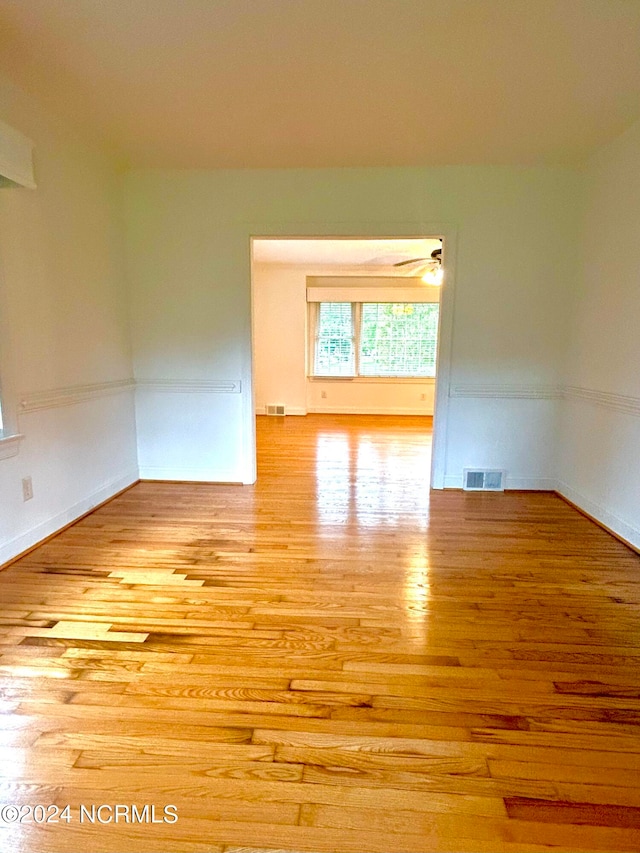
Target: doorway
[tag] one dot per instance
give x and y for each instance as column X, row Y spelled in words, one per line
column 353, row 326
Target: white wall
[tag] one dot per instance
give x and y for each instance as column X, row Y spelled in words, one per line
column 280, row 337
column 372, row 396
column 64, row 347
column 600, row 457
column 281, row 352
column 189, row 255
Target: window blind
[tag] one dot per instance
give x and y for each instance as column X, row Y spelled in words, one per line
column 335, row 340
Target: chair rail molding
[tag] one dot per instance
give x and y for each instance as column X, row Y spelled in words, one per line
column 516, row 392
column 56, row 397
column 177, row 386
column 625, row 403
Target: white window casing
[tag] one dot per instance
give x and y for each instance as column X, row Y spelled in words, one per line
column 369, row 289
column 362, row 340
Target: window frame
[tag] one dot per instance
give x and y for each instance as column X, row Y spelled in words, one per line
column 356, row 320
column 314, row 338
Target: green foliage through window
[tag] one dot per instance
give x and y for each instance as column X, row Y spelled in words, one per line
column 398, row 339
column 376, row 339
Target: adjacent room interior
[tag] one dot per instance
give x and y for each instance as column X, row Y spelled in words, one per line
column 295, row 285
column 305, row 635
column 346, row 327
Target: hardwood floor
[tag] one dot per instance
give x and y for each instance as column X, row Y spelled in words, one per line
column 331, row 660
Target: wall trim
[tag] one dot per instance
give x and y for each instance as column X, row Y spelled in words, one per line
column 368, row 410
column 72, row 395
column 517, row 392
column 619, row 528
column 627, row 404
column 373, row 380
column 529, row 484
column 619, row 402
column 35, row 536
column 261, row 409
column 175, row 386
column 187, row 474
column 10, row 445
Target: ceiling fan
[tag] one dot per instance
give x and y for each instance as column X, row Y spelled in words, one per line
column 430, row 268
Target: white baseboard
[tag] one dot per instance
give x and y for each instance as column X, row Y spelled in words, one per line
column 535, row 484
column 452, row 481
column 190, row 475
column 621, row 528
column 368, row 410
column 607, row 519
column 46, row 528
column 261, row 409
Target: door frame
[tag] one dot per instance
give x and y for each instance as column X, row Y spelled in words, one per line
column 372, row 231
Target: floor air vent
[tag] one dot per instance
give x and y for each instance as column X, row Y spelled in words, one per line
column 483, row 480
column 273, row 409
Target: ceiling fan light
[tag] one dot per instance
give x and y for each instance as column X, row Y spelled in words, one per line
column 433, row 276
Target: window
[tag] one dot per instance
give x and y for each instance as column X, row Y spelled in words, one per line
column 375, row 339
column 335, row 339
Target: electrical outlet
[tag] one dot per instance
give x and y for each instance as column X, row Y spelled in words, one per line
column 27, row 489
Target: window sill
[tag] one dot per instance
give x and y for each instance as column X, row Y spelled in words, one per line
column 365, row 380
column 9, row 445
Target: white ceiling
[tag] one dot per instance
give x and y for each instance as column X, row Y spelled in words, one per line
column 283, row 83
column 378, row 255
